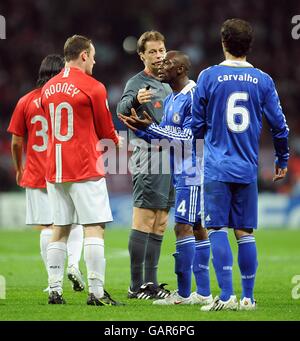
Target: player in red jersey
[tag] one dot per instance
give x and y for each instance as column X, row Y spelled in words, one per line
column 80, row 117
column 28, row 120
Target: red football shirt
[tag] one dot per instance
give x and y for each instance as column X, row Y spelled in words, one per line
column 77, row 106
column 29, row 119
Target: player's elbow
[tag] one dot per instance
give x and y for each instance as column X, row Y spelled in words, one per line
column 198, row 133
column 124, row 108
column 16, row 142
column 282, row 133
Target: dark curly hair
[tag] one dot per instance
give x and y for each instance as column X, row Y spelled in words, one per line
column 237, row 37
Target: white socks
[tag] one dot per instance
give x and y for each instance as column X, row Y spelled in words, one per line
column 45, row 237
column 74, row 245
column 95, row 263
column 56, row 254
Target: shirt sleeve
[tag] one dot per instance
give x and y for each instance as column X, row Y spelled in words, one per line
column 129, row 98
column 198, row 124
column 102, row 116
column 144, row 135
column 182, row 133
column 17, row 125
column 277, row 122
column 159, row 132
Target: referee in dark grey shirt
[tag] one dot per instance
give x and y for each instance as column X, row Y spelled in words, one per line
column 153, row 194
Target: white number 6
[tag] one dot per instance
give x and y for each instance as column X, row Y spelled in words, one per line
column 232, row 110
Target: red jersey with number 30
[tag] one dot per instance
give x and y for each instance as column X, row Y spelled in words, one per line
column 29, row 119
column 80, row 117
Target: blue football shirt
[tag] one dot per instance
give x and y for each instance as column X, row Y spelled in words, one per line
column 176, row 128
column 229, row 102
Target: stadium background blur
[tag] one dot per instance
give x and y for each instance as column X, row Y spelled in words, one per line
column 37, row 28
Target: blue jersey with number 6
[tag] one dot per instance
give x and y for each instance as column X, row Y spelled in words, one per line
column 229, row 102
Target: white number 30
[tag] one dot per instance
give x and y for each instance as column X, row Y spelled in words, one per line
column 232, row 110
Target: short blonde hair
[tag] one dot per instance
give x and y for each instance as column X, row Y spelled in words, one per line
column 148, row 36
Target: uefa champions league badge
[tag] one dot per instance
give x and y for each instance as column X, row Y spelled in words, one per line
column 176, row 118
column 2, row 27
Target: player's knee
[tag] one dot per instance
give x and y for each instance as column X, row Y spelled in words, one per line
column 161, row 222
column 143, row 219
column 200, row 233
column 60, row 233
column 160, row 229
column 95, row 230
column 239, row 233
column 44, row 227
column 183, row 230
column 145, row 224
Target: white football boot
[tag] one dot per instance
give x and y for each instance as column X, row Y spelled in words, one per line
column 217, row 304
column 75, row 276
column 246, row 304
column 173, row 298
column 199, row 299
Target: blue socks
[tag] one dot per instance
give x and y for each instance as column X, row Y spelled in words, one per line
column 247, row 259
column 201, row 267
column 222, row 261
column 184, row 257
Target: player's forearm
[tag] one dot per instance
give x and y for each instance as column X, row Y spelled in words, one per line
column 162, row 133
column 198, row 124
column 198, row 130
column 17, row 152
column 280, row 141
column 281, row 151
column 109, row 133
column 143, row 135
column 125, row 105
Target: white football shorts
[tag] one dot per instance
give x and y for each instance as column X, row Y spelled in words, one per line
column 38, row 208
column 84, row 202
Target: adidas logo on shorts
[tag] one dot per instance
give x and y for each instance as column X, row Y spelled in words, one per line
column 207, row 218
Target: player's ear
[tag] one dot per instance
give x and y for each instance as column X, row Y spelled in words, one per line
column 142, row 57
column 180, row 70
column 83, row 55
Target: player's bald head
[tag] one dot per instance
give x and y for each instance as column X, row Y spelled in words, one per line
column 180, row 58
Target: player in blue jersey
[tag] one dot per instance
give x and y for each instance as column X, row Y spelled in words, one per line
column 229, row 102
column 175, row 127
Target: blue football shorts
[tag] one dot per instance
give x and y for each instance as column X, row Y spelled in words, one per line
column 228, row 204
column 187, row 205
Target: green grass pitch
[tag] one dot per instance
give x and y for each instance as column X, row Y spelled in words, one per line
column 21, row 265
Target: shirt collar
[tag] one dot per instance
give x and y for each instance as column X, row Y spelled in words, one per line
column 236, row 63
column 188, row 87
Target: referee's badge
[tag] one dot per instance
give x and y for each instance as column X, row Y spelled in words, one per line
column 176, row 118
